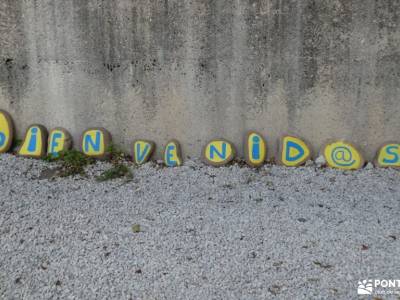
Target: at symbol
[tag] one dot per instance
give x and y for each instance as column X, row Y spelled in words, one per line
column 342, row 156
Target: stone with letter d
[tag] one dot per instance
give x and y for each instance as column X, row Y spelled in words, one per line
column 293, row 151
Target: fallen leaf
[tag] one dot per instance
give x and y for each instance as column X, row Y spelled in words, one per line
column 322, row 265
column 136, row 228
column 274, row 289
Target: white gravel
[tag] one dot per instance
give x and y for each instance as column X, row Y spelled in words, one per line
column 207, row 233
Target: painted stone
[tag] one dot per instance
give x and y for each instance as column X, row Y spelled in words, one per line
column 142, row 151
column 6, row 131
column 59, row 140
column 218, row 152
column 343, row 155
column 172, row 154
column 388, row 156
column 293, row 151
column 255, row 149
column 95, row 142
column 35, row 142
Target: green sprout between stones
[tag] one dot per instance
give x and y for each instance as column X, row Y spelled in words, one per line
column 16, row 144
column 119, row 168
column 116, row 171
column 72, row 162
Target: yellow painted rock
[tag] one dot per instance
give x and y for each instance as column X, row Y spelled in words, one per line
column 59, row 140
column 293, row 151
column 343, row 155
column 218, row 152
column 172, row 154
column 95, row 142
column 6, row 131
column 388, row 156
column 142, row 151
column 35, row 142
column 255, row 149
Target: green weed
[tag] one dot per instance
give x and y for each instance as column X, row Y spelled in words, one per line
column 116, row 171
column 119, row 168
column 16, row 144
column 72, row 162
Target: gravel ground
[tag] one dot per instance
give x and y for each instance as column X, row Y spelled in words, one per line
column 205, row 233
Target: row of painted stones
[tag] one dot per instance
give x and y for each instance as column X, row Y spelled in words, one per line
column 95, row 142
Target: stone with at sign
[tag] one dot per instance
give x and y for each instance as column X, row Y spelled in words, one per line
column 342, row 155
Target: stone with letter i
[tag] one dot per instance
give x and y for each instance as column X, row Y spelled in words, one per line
column 172, row 154
column 6, row 131
column 218, row 152
column 388, row 156
column 95, row 142
column 59, row 141
column 35, row 142
column 343, row 155
column 255, row 149
column 142, row 151
column 293, row 151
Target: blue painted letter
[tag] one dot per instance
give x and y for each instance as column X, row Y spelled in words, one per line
column 142, row 155
column 395, row 155
column 170, row 161
column 256, row 148
column 95, row 145
column 32, row 141
column 213, row 150
column 53, row 143
column 291, row 144
column 2, row 139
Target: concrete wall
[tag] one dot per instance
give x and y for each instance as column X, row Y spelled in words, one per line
column 194, row 70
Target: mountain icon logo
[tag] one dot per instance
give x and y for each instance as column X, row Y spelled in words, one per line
column 365, row 287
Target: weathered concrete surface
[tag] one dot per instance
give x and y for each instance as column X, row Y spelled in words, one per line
column 194, row 70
